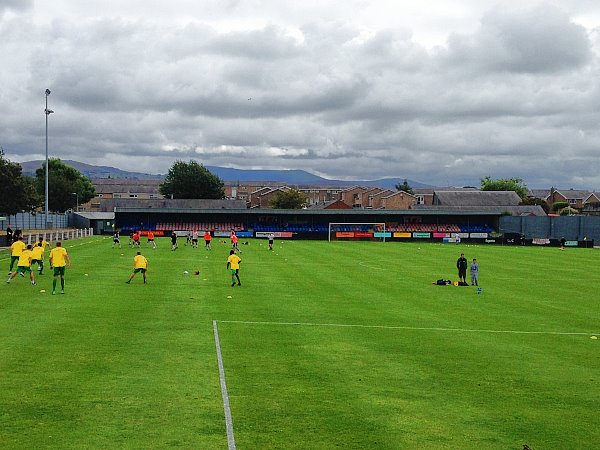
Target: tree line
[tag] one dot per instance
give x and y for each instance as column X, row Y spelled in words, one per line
column 20, row 192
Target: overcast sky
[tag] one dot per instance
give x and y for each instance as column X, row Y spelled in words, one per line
column 441, row 92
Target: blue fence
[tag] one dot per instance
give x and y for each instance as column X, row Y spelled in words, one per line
column 576, row 228
column 29, row 221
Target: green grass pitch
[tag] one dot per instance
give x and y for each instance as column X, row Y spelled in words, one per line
column 325, row 345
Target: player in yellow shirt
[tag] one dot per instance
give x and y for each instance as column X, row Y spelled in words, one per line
column 24, row 265
column 16, row 249
column 233, row 263
column 140, row 264
column 44, row 243
column 38, row 257
column 59, row 261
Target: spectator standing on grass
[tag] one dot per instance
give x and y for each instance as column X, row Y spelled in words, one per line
column 233, row 263
column 59, row 261
column 23, row 266
column 474, row 271
column 16, row 249
column 140, row 264
column 461, row 265
column 9, row 236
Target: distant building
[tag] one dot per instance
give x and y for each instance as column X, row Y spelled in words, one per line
column 475, row 198
column 122, row 188
column 398, row 200
column 575, row 198
column 352, row 196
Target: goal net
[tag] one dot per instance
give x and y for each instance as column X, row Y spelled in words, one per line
column 356, row 231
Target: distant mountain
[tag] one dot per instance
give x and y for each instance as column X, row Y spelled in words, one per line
column 301, row 177
column 91, row 171
column 292, row 177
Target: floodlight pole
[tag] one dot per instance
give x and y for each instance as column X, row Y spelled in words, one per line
column 48, row 112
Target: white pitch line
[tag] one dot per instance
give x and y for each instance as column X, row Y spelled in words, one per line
column 361, row 263
column 228, row 420
column 390, row 327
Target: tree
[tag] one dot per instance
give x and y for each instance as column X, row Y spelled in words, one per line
column 568, row 211
column 536, row 201
column 17, row 191
column 289, row 199
column 405, row 187
column 191, row 180
column 63, row 183
column 558, row 206
column 505, row 184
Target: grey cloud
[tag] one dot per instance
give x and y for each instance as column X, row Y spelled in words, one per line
column 15, row 5
column 539, row 40
column 266, row 44
column 334, row 101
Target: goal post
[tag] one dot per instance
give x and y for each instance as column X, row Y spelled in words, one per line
column 356, row 230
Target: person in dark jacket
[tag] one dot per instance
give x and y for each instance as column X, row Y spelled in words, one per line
column 461, row 265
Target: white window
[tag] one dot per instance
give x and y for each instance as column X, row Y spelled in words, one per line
column 420, row 200
column 132, row 195
column 99, row 195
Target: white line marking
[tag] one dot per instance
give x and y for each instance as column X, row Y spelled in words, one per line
column 390, row 327
column 361, row 263
column 228, row 421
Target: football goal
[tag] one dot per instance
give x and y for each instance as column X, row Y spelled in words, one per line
column 356, row 231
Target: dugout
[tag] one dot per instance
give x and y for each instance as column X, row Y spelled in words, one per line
column 431, row 224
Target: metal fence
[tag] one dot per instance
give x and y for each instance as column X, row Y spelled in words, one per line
column 31, row 221
column 58, row 235
column 577, row 228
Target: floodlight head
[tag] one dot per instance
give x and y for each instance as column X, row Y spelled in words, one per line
column 48, row 91
column 48, row 111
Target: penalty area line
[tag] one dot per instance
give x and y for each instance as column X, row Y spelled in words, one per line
column 228, row 420
column 392, row 327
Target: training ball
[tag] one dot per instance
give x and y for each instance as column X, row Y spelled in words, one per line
column 185, row 272
column 86, row 274
column 456, row 283
column 594, row 337
column 42, row 290
column 229, row 296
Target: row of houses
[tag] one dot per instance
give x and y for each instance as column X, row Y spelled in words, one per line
column 260, row 195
